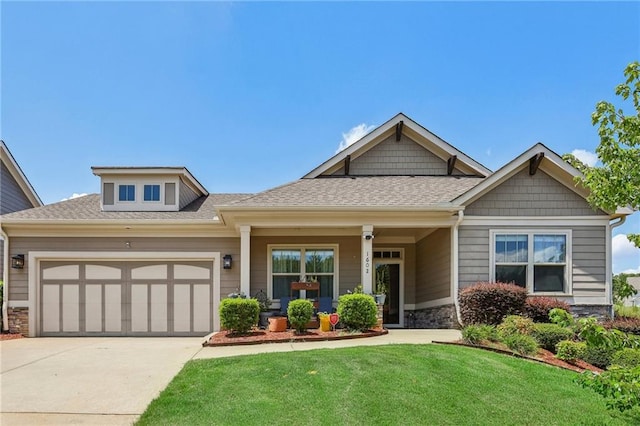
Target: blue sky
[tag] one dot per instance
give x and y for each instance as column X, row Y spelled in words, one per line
column 252, row 95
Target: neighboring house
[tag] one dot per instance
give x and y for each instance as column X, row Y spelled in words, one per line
column 633, row 300
column 16, row 193
column 401, row 206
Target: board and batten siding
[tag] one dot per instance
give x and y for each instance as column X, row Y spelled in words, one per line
column 588, row 247
column 404, row 157
column 12, row 198
column 229, row 278
column 525, row 195
column 348, row 258
column 433, row 266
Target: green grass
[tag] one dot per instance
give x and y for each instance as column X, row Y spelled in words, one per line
column 382, row 385
column 627, row 311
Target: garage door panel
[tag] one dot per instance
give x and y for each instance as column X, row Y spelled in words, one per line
column 139, row 308
column 182, row 308
column 51, row 308
column 113, row 308
column 102, row 272
column 93, row 308
column 202, row 308
column 71, row 308
column 159, row 320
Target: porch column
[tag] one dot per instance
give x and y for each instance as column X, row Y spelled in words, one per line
column 245, row 259
column 367, row 259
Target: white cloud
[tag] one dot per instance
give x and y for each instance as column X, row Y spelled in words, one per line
column 74, row 195
column 632, row 271
column 621, row 246
column 588, row 158
column 489, row 152
column 354, row 135
column 626, row 256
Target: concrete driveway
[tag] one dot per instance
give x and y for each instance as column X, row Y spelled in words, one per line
column 86, row 380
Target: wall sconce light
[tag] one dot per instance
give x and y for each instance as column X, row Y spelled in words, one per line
column 17, row 261
column 127, row 244
column 226, row 261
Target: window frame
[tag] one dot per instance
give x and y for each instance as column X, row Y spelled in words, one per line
column 135, row 190
column 531, row 233
column 303, row 248
column 144, row 187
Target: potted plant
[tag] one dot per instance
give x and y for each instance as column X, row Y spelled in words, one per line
column 265, row 303
column 381, row 292
column 277, row 324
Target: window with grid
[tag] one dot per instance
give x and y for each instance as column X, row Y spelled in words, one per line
column 536, row 261
column 294, row 264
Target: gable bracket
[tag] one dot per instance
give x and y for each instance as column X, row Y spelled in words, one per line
column 347, row 163
column 399, row 130
column 451, row 163
column 534, row 163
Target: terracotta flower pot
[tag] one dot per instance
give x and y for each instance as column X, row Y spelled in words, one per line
column 278, row 324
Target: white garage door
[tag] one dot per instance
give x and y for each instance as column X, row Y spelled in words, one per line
column 126, row 298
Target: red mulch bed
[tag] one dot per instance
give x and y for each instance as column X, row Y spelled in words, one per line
column 256, row 337
column 10, row 336
column 543, row 356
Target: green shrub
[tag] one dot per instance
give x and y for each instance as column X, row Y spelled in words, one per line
column 475, row 334
column 620, row 386
column 239, row 315
column 600, row 356
column 549, row 335
column 515, row 324
column 522, row 344
column 489, row 303
column 357, row 311
column 626, row 325
column 561, row 317
column 570, row 351
column 626, row 358
column 627, row 311
column 538, row 307
column 299, row 313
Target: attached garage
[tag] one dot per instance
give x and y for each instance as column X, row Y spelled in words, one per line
column 126, row 298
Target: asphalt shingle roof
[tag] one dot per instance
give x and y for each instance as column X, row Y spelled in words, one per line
column 369, row 191
column 88, row 208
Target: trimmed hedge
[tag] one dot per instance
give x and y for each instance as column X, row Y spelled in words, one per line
column 599, row 356
column 522, row 344
column 239, row 315
column 357, row 311
column 537, row 307
column 626, row 358
column 299, row 313
column 549, row 335
column 489, row 303
column 515, row 324
column 570, row 351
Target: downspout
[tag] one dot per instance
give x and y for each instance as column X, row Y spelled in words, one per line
column 609, row 282
column 454, row 264
column 5, row 280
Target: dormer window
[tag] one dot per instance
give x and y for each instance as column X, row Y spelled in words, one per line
column 126, row 193
column 152, row 193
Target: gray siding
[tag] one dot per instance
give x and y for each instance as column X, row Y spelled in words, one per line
column 169, row 194
column 537, row 195
column 187, row 195
column 12, row 198
column 433, row 266
column 108, row 192
column 588, row 256
column 229, row 278
column 405, row 157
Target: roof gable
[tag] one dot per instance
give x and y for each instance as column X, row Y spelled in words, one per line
column 21, row 180
column 405, row 131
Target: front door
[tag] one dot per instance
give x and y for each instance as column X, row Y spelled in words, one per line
column 389, row 279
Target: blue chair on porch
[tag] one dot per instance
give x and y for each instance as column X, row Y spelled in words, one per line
column 284, row 304
column 325, row 304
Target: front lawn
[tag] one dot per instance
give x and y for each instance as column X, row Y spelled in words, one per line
column 395, row 384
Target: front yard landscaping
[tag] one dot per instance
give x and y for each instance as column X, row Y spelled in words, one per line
column 395, row 384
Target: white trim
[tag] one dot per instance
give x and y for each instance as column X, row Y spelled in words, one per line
column 245, row 259
column 35, row 257
column 182, row 172
column 531, row 232
column 401, row 306
column 366, row 259
column 429, row 304
column 301, row 247
column 18, row 303
column 531, row 220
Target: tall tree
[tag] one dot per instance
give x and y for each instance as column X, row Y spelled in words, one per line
column 616, row 183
